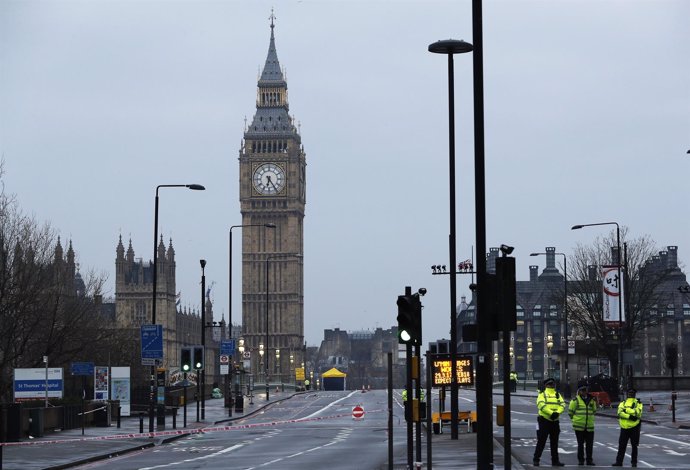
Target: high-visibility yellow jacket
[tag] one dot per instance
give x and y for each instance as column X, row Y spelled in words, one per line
column 421, row 394
column 513, row 376
column 629, row 413
column 582, row 413
column 549, row 401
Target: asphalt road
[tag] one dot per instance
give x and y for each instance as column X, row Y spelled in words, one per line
column 307, row 431
column 662, row 447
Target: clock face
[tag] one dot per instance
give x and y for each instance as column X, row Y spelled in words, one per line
column 269, row 179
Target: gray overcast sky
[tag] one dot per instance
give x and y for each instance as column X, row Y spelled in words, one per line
column 587, row 120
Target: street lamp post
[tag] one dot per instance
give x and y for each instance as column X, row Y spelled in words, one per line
column 196, row 187
column 238, row 395
column 269, row 258
column 530, row 373
column 451, row 47
column 549, row 345
column 566, row 392
column 620, row 295
column 202, row 262
column 587, row 339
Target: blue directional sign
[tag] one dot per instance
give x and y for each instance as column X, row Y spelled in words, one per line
column 151, row 344
column 227, row 347
column 82, row 368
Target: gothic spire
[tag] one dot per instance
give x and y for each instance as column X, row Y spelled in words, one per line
column 272, row 71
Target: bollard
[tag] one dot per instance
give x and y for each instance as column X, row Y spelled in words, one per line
column 119, row 416
column 174, row 418
column 141, row 423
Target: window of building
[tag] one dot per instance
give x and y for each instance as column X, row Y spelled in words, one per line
column 536, row 312
column 686, row 310
column 520, row 312
column 140, row 313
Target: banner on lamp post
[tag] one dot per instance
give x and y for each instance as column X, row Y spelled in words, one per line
column 613, row 294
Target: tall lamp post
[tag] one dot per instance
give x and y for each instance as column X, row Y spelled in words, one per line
column 196, row 187
column 202, row 262
column 530, row 373
column 238, row 395
column 269, row 258
column 451, row 47
column 566, row 392
column 620, row 294
column 549, row 345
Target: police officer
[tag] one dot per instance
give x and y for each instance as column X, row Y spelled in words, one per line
column 550, row 404
column 513, row 381
column 629, row 414
column 581, row 411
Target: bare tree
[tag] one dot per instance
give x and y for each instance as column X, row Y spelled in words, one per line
column 46, row 308
column 642, row 282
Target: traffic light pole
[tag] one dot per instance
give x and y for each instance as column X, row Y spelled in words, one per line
column 408, row 402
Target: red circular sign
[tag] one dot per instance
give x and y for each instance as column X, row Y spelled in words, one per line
column 357, row 412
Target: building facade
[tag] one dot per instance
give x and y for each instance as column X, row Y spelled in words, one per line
column 541, row 320
column 181, row 326
column 272, row 169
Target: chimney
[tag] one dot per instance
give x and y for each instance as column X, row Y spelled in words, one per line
column 491, row 260
column 592, row 272
column 550, row 257
column 672, row 257
column 533, row 273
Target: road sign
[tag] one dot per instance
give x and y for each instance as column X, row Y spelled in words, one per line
column 224, row 359
column 82, row 368
column 224, row 369
column 151, row 344
column 246, row 355
column 357, row 412
column 227, row 347
column 571, row 346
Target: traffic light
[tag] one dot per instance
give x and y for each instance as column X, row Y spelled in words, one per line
column 507, row 300
column 186, row 359
column 198, row 357
column 409, row 319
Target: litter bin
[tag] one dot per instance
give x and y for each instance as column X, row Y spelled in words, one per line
column 36, row 422
column 100, row 417
column 12, row 421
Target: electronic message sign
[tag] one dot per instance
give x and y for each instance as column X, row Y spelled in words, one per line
column 441, row 372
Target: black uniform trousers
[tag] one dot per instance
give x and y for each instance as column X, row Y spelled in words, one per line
column 585, row 443
column 632, row 434
column 547, row 430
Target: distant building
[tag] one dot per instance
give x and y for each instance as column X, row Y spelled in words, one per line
column 181, row 326
column 539, row 314
column 363, row 355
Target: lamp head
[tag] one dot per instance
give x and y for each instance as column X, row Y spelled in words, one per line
column 450, row 46
column 196, row 187
column 534, row 254
column 575, row 227
column 270, row 225
column 203, row 263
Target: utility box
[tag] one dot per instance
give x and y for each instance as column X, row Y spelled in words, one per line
column 500, row 417
column 36, row 422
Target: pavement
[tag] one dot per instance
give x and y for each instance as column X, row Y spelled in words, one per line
column 69, row 448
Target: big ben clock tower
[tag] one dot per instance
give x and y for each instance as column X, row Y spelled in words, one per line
column 272, row 191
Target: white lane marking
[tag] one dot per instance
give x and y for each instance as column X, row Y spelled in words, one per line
column 654, row 436
column 203, row 457
column 330, row 404
column 341, row 436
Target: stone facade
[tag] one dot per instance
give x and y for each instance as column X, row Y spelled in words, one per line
column 272, row 191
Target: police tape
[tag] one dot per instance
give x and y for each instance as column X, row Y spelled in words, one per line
column 181, row 432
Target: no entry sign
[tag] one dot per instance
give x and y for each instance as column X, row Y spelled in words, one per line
column 357, row 412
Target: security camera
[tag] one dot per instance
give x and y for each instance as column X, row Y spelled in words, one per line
column 422, row 291
column 506, row 250
column 473, row 287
